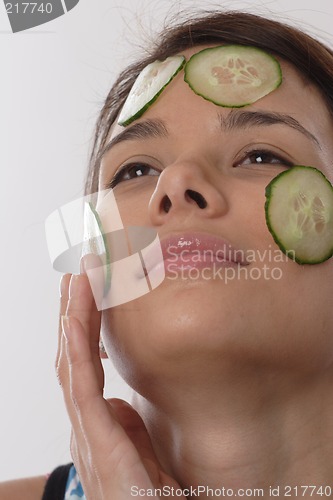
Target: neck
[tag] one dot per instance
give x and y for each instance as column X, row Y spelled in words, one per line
column 256, row 430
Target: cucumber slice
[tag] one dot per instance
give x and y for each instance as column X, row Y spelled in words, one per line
column 299, row 214
column 95, row 241
column 233, row 76
column 148, row 86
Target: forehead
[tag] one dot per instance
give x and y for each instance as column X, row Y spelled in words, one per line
column 182, row 109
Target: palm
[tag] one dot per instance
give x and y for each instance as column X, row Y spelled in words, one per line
column 137, row 443
column 110, row 445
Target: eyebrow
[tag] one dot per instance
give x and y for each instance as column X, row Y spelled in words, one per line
column 235, row 120
column 141, row 130
column 245, row 119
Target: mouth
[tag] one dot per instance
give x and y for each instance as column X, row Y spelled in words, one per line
column 186, row 251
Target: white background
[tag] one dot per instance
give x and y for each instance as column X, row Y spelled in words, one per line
column 53, row 79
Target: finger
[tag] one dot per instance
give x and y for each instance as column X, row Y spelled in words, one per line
column 99, row 439
column 92, row 266
column 76, row 453
column 64, row 293
column 80, row 300
column 81, row 306
column 134, row 427
column 62, row 368
column 63, row 372
column 97, row 419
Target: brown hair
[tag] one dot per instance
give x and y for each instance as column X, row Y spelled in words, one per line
column 312, row 59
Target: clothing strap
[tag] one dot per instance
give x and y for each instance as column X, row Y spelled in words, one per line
column 56, row 484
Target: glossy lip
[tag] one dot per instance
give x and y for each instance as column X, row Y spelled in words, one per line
column 194, row 250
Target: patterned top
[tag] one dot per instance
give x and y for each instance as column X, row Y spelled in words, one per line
column 74, row 489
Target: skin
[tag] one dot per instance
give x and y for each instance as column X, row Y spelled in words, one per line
column 233, row 381
column 30, row 488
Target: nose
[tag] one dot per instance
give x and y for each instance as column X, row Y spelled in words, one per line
column 185, row 190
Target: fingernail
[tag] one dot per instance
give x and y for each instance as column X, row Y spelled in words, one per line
column 65, row 326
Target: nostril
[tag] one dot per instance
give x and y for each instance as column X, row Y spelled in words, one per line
column 166, row 204
column 197, row 197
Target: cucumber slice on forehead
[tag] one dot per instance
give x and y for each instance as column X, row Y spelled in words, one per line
column 148, row 86
column 233, row 75
column 299, row 214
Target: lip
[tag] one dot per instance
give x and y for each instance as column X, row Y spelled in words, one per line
column 193, row 249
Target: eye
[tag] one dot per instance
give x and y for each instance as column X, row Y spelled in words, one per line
column 262, row 157
column 131, row 171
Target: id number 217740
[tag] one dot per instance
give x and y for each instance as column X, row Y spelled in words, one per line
column 28, row 7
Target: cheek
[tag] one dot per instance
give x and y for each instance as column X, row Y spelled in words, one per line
column 286, row 322
column 112, row 333
column 303, row 303
column 247, row 216
column 317, row 287
column 133, row 205
column 128, row 344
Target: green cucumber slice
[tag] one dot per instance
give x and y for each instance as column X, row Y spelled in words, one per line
column 233, row 76
column 95, row 241
column 299, row 214
column 148, row 86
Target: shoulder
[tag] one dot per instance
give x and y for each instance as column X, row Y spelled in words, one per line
column 29, row 488
column 54, row 487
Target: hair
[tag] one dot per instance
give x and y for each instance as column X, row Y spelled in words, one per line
column 312, row 59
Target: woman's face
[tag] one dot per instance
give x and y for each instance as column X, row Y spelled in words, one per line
column 268, row 309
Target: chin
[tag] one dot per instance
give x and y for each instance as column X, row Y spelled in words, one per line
column 174, row 323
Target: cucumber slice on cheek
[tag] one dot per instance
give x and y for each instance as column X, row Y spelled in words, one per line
column 233, row 75
column 299, row 214
column 148, row 86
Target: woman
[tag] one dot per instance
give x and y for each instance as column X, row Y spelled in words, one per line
column 232, row 380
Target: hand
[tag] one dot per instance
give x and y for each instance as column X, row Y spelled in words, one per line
column 110, row 445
